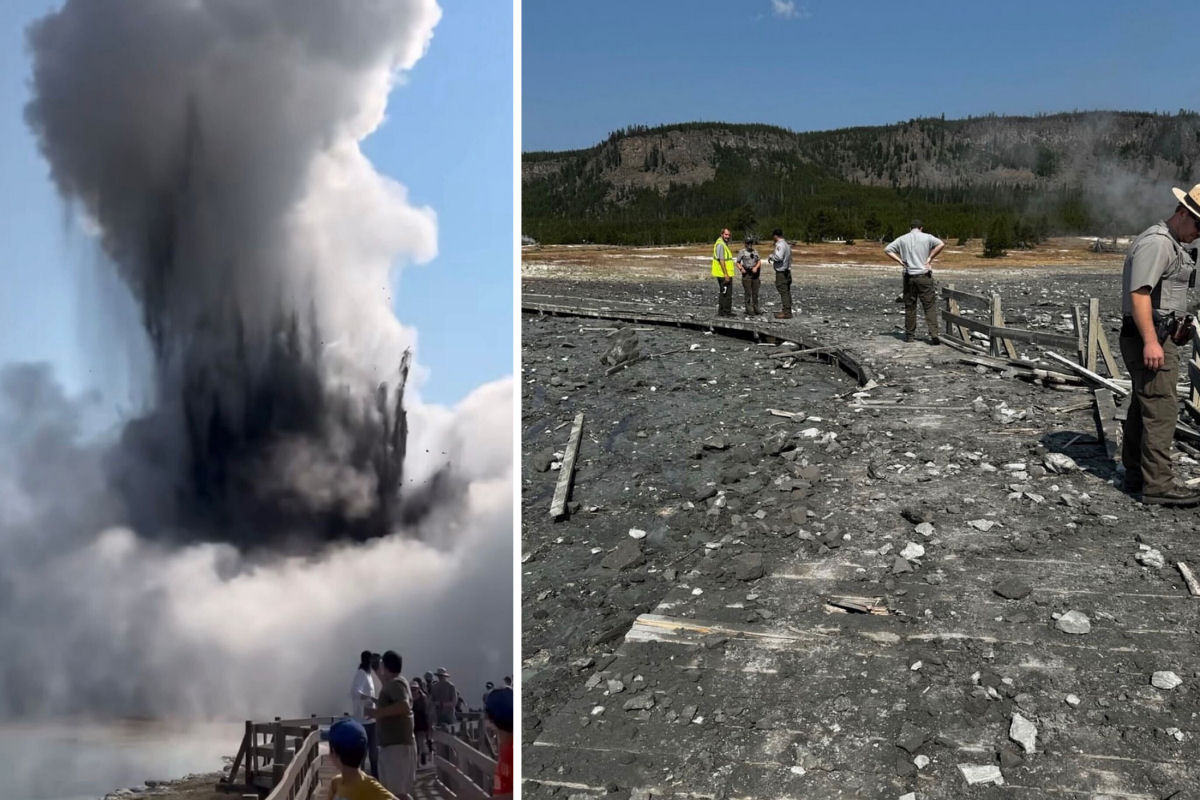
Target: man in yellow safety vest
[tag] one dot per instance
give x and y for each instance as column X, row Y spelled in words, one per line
column 723, row 270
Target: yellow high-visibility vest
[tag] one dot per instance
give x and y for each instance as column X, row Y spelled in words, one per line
column 719, row 249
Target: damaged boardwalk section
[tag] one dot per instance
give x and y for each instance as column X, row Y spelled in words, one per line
column 779, row 580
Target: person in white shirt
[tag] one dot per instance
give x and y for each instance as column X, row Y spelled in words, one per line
column 915, row 251
column 364, row 692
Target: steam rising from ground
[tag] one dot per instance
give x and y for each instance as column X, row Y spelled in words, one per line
column 214, row 144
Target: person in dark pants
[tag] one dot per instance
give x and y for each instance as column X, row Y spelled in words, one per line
column 749, row 264
column 1154, row 286
column 781, row 260
column 915, row 251
column 722, row 270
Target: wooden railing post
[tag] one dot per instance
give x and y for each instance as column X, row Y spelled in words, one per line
column 251, row 753
column 277, row 765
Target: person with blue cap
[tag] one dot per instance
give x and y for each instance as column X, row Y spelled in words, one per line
column 498, row 711
column 348, row 746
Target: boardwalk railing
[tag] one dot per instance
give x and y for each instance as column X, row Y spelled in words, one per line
column 269, row 750
column 302, row 774
column 461, row 767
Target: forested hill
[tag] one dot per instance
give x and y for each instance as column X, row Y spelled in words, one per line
column 1085, row 172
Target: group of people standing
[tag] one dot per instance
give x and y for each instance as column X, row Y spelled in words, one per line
column 748, row 264
column 1158, row 272
column 393, row 718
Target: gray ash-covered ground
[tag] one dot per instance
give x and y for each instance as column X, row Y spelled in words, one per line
column 703, row 658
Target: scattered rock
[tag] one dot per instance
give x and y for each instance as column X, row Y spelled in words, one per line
column 1165, row 680
column 1149, row 557
column 911, row 738
column 1059, row 463
column 1012, row 589
column 1075, row 622
column 925, row 529
column 640, row 702
column 912, row 551
column 748, row 567
column 1009, row 757
column 1073, row 700
column 628, row 554
column 1023, row 732
column 976, row 774
column 984, row 525
column 900, row 566
column 637, row 533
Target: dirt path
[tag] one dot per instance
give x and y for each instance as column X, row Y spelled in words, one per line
column 703, row 658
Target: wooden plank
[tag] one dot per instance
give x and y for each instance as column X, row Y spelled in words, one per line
column 1188, row 578
column 950, row 293
column 960, row 344
column 1087, row 373
column 1077, row 323
column 970, row 324
column 1114, row 367
column 1193, row 374
column 1093, row 331
column 998, row 323
column 1106, row 425
column 566, row 473
column 1043, row 338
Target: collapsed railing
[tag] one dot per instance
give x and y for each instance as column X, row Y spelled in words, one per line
column 1088, row 342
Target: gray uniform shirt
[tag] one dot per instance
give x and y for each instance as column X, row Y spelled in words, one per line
column 1157, row 261
column 781, row 259
column 914, row 248
column 748, row 259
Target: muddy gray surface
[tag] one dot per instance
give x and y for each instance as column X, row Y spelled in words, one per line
column 705, row 658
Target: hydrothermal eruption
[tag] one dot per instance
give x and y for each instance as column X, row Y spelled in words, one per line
column 283, row 498
column 213, row 144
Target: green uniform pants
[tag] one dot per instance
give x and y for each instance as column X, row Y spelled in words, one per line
column 750, row 283
column 1153, row 412
column 783, row 282
column 920, row 287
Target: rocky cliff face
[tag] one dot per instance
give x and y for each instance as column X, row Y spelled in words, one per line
column 1050, row 151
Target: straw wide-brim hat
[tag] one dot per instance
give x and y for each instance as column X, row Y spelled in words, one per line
column 1190, row 200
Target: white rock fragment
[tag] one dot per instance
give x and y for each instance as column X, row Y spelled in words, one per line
column 922, row 761
column 925, row 529
column 1075, row 622
column 1165, row 680
column 984, row 525
column 1149, row 557
column 1073, row 700
column 1059, row 462
column 912, row 551
column 798, row 770
column 637, row 533
column 1023, row 732
column 975, row 774
column 909, row 796
column 597, row 710
column 916, row 666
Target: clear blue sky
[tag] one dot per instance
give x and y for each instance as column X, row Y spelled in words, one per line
column 589, row 69
column 448, row 139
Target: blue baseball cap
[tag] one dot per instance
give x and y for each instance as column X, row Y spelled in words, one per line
column 499, row 706
column 347, row 734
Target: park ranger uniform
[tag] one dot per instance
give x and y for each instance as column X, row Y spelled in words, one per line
column 750, row 264
column 1158, row 261
column 914, row 248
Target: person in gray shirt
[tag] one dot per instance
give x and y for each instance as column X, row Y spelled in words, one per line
column 781, row 260
column 1155, row 280
column 750, row 265
column 915, row 252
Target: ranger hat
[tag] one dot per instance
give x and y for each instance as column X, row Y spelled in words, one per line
column 1190, row 200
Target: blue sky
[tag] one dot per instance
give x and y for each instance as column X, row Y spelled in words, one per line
column 448, row 139
column 828, row 64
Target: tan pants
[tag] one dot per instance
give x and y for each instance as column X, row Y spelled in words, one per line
column 1153, row 412
column 398, row 768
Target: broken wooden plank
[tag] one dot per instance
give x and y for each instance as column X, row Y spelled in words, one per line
column 1106, row 425
column 969, row 324
column 1188, row 578
column 566, row 473
column 960, row 344
column 1080, row 342
column 950, row 293
column 1087, row 373
column 775, row 412
column 1043, row 338
column 1114, row 367
column 1093, row 333
column 998, row 322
